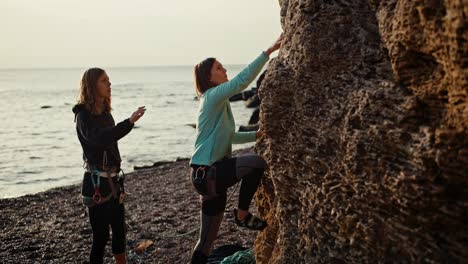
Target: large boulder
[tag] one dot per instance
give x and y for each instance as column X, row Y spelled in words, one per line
column 365, row 119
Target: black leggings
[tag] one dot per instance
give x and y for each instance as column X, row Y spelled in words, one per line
column 249, row 169
column 112, row 214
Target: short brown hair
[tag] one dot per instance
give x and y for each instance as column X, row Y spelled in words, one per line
column 202, row 72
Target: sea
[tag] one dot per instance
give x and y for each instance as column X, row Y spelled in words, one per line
column 39, row 148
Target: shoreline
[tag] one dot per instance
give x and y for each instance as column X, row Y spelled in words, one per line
column 78, row 181
column 53, row 226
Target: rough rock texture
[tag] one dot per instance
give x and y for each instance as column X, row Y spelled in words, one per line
column 365, row 119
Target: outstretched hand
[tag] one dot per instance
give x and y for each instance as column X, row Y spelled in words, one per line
column 137, row 114
column 275, row 45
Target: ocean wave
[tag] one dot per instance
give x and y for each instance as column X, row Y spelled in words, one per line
column 29, row 172
column 35, row 181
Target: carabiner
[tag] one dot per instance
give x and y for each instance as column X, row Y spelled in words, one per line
column 197, row 178
column 97, row 197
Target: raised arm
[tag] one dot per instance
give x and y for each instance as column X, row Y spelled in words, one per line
column 244, row 78
column 240, row 82
column 98, row 136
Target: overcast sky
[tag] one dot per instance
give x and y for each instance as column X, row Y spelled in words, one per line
column 79, row 33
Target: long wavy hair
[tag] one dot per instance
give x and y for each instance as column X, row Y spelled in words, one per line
column 87, row 95
column 202, row 73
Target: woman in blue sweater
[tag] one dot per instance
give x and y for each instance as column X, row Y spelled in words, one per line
column 213, row 170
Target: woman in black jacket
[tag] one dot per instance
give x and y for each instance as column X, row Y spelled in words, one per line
column 102, row 189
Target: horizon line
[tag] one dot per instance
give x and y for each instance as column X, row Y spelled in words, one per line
column 107, row 67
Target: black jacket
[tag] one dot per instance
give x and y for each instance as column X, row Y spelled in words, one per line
column 98, row 134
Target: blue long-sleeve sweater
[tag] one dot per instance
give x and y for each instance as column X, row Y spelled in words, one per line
column 215, row 123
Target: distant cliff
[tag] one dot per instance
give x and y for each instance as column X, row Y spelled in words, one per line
column 365, row 118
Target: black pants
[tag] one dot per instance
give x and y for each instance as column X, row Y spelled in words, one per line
column 248, row 169
column 112, row 214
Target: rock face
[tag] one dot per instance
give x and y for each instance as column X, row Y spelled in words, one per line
column 365, row 118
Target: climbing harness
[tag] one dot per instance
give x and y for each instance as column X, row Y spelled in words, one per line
column 105, row 172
